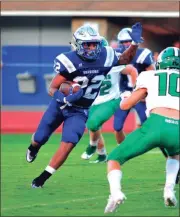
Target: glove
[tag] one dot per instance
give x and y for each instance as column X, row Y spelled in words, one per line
column 59, row 96
column 136, row 33
column 72, row 97
column 125, row 95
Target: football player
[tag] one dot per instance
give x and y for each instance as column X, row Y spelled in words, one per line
column 142, row 61
column 107, row 101
column 88, row 65
column 161, row 89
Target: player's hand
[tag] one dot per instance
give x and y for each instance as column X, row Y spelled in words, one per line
column 59, row 96
column 72, row 97
column 136, row 33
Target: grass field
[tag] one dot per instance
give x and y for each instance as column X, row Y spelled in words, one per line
column 78, row 188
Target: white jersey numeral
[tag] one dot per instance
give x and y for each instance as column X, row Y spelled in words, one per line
column 96, row 83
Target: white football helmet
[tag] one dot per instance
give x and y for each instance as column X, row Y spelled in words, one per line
column 84, row 35
column 123, row 35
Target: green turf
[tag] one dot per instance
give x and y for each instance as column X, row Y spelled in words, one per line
column 78, row 188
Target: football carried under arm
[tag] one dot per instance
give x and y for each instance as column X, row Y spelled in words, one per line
column 132, row 71
column 61, row 96
column 136, row 36
column 56, row 83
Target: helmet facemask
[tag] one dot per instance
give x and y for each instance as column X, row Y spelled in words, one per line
column 85, row 37
column 123, row 36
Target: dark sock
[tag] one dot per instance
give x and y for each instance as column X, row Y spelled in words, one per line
column 40, row 180
column 34, row 149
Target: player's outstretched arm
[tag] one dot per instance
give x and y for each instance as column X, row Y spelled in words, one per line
column 128, row 55
column 136, row 36
column 132, row 100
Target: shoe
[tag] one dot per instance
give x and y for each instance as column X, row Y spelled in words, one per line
column 100, row 159
column 169, row 197
column 89, row 152
column 113, row 203
column 36, row 184
column 31, row 154
column 178, row 177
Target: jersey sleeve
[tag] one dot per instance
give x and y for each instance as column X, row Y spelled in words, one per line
column 149, row 60
column 145, row 58
column 64, row 66
column 142, row 80
column 112, row 57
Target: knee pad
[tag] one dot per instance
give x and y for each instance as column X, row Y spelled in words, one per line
column 40, row 137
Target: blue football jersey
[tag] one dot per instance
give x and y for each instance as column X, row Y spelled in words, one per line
column 141, row 61
column 89, row 74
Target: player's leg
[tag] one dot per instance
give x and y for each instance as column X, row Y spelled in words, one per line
column 50, row 121
column 170, row 140
column 141, row 112
column 119, row 119
column 136, row 143
column 172, row 167
column 101, row 151
column 73, row 129
column 95, row 121
column 97, row 144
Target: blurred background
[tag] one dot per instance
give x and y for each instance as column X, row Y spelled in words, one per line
column 34, row 33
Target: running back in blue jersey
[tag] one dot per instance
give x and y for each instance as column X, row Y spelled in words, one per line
column 141, row 61
column 89, row 74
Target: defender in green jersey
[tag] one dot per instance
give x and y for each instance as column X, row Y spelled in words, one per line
column 161, row 129
column 103, row 109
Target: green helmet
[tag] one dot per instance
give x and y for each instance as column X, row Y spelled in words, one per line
column 104, row 42
column 169, row 58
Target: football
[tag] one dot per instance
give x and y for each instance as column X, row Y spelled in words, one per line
column 67, row 85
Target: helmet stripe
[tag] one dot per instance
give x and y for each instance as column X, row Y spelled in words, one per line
column 176, row 53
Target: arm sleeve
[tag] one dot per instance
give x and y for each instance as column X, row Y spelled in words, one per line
column 63, row 66
column 111, row 57
column 149, row 60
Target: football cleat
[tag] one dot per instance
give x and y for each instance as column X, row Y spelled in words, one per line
column 100, row 159
column 114, row 202
column 89, row 152
column 36, row 184
column 31, row 156
column 85, row 156
column 169, row 197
